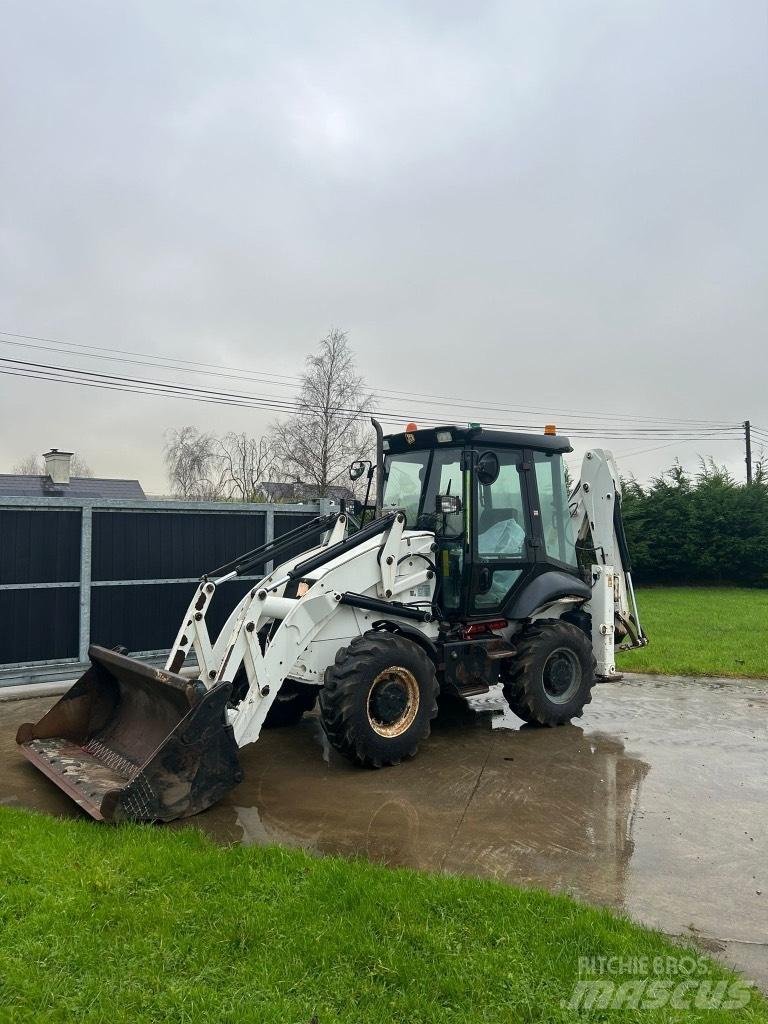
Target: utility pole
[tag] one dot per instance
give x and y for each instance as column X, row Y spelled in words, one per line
column 748, row 446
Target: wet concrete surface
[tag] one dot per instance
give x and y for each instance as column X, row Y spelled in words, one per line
column 655, row 804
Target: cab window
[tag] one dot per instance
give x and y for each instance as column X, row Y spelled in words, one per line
column 501, row 531
column 404, row 479
column 501, row 516
column 556, row 522
column 446, row 477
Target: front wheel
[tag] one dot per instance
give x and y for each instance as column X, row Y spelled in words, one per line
column 378, row 699
column 551, row 679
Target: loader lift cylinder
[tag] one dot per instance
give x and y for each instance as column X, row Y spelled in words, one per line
column 373, row 604
column 269, row 551
column 322, row 558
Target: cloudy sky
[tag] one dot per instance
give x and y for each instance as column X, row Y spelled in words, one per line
column 556, row 206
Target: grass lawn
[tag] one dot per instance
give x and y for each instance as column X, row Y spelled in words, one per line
column 142, row 924
column 706, row 631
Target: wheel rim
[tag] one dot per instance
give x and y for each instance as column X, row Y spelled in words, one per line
column 562, row 675
column 393, row 702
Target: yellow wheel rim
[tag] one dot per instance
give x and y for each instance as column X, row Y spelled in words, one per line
column 393, row 702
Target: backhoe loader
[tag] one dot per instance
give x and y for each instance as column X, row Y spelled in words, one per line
column 472, row 566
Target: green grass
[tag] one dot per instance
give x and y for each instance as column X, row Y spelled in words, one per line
column 702, row 631
column 142, row 924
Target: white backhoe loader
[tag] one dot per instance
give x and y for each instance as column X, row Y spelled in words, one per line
column 472, row 567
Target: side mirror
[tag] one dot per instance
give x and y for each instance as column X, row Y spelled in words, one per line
column 447, row 504
column 357, row 469
column 488, row 468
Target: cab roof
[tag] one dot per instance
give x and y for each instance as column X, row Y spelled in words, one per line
column 428, row 438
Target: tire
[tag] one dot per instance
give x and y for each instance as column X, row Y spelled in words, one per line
column 293, row 700
column 378, row 699
column 551, row 679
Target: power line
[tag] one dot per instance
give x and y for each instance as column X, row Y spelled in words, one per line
column 283, row 380
column 627, row 454
column 152, row 355
column 281, row 404
column 64, row 374
column 667, row 444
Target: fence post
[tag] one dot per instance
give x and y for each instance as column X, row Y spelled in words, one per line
column 86, row 537
column 269, row 534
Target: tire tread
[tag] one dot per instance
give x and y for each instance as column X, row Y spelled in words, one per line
column 342, row 682
column 519, row 688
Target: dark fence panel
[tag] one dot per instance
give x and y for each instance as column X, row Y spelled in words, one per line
column 39, row 546
column 167, row 545
column 39, row 625
column 147, row 617
column 170, row 543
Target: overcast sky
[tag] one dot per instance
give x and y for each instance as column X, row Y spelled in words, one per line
column 560, row 205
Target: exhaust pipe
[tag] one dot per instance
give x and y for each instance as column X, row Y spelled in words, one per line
column 379, row 465
column 133, row 743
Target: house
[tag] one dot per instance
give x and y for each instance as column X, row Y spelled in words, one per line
column 56, row 482
column 298, row 492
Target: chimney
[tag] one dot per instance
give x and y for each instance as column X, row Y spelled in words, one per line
column 57, row 465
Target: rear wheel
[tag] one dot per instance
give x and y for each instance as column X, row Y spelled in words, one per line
column 378, row 699
column 551, row 679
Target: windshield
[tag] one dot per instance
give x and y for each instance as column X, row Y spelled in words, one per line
column 404, row 479
column 413, row 483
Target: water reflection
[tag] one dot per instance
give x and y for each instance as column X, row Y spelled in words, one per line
column 485, row 796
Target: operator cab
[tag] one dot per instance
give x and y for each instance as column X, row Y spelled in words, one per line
column 497, row 503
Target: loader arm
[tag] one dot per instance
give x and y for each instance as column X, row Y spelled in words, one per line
column 349, row 580
column 595, row 506
column 193, row 636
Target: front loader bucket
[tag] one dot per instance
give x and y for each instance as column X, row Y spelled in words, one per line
column 132, row 743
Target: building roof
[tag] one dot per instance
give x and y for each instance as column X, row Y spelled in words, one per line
column 15, row 485
column 303, row 492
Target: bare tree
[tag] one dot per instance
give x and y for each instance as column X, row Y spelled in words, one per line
column 79, row 467
column 34, row 465
column 247, row 463
column 329, row 429
column 193, row 465
column 30, row 465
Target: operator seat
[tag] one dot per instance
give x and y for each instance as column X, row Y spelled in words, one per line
column 491, row 516
column 501, row 543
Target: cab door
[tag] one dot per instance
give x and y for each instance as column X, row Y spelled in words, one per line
column 503, row 535
column 446, row 479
